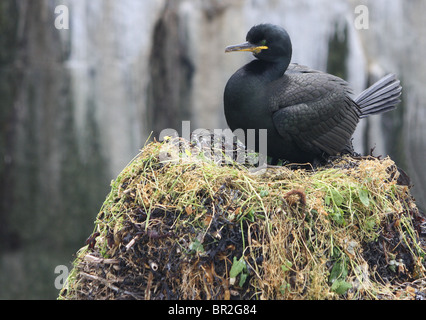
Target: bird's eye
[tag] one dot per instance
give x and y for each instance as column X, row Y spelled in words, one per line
column 263, row 42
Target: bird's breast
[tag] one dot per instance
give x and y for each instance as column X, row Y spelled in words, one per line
column 245, row 102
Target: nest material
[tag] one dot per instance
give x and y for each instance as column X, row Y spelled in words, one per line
column 178, row 224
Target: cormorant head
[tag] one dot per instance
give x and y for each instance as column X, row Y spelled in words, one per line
column 267, row 42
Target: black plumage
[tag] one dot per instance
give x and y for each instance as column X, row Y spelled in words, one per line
column 308, row 114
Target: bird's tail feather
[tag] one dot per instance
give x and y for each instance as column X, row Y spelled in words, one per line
column 382, row 96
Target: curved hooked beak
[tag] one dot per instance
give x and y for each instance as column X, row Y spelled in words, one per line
column 246, row 46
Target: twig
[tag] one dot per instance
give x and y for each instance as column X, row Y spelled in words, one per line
column 93, row 259
column 132, row 242
column 109, row 285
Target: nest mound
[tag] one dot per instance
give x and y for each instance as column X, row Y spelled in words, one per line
column 188, row 227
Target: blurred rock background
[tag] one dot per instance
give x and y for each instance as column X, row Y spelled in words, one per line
column 77, row 103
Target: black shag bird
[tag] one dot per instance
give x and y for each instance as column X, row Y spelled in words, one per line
column 308, row 114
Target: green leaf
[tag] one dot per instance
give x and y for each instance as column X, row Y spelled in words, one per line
column 337, row 197
column 196, row 246
column 263, row 193
column 339, row 271
column 363, row 196
column 250, row 215
column 340, row 286
column 327, row 200
column 338, row 216
column 286, row 266
column 370, row 223
column 237, row 267
column 243, row 278
column 284, row 287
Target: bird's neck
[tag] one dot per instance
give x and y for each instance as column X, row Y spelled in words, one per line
column 273, row 70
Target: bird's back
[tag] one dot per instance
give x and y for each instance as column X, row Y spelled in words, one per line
column 314, row 110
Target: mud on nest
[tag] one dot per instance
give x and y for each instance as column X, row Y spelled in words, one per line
column 190, row 227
